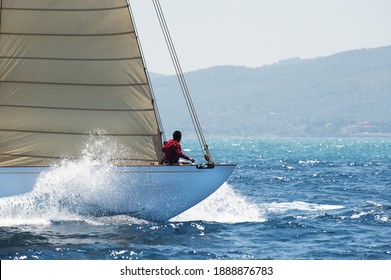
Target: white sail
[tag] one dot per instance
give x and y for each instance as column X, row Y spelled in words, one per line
column 68, row 68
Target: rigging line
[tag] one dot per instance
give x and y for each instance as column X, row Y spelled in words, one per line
column 182, row 81
column 172, row 53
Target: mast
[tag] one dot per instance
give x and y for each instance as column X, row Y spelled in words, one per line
column 183, row 83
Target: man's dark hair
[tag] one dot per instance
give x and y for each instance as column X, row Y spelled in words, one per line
column 177, row 135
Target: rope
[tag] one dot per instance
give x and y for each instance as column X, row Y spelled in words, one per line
column 182, row 82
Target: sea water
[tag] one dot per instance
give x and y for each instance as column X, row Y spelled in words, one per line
column 287, row 199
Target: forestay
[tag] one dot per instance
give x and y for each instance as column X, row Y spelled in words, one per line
column 68, row 69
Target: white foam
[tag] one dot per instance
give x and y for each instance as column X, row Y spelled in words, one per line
column 115, row 220
column 224, row 206
column 301, row 206
column 359, row 215
column 67, row 191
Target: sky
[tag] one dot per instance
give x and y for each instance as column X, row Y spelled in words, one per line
column 254, row 33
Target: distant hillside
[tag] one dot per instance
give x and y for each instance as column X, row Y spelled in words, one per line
column 344, row 94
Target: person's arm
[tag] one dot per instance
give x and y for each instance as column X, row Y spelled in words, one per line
column 182, row 155
column 189, row 158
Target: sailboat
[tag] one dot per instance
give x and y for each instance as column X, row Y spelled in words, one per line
column 71, row 68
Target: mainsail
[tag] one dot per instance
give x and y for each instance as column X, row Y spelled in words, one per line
column 67, row 69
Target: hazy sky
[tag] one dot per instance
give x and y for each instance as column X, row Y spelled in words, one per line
column 257, row 32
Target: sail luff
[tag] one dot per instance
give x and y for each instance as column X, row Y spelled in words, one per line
column 67, row 70
column 154, row 104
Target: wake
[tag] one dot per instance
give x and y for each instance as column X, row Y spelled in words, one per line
column 223, row 206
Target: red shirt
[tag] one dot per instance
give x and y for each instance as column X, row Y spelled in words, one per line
column 173, row 151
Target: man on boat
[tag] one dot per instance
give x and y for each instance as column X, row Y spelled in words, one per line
column 173, row 151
